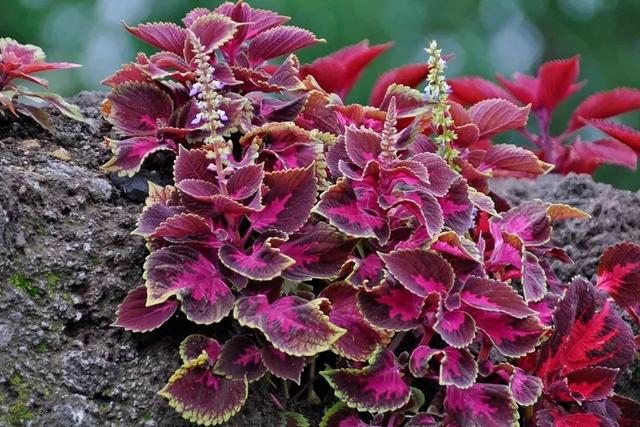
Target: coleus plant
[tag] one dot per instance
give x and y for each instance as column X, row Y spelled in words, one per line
column 555, row 82
column 364, row 238
column 154, row 101
column 21, row 62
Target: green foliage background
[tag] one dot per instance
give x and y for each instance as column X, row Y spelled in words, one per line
column 486, row 36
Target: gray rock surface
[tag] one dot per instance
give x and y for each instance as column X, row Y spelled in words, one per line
column 67, row 259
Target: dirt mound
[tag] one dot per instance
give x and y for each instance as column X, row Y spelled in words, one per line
column 67, row 259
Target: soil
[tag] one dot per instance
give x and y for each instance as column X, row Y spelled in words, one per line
column 67, row 259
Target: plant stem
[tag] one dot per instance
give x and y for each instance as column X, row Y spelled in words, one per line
column 397, row 340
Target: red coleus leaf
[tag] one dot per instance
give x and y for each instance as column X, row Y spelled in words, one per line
column 629, row 410
column 129, row 154
column 391, row 306
column 504, row 160
column 240, row 357
column 282, row 364
column 523, row 87
column 212, row 30
column 409, row 102
column 603, row 105
column 481, row 404
column 163, row 35
column 287, row 204
column 184, row 272
column 193, row 164
column 361, row 338
column 340, row 70
column 257, row 20
column 319, row 252
column 471, row 90
column 376, row 388
column 245, row 181
column 134, row 315
column 619, row 274
column 188, row 229
column 139, row 109
column 585, row 157
column 264, row 262
column 560, row 418
column 589, row 333
column 589, row 384
column 279, row 41
column 492, row 295
column 556, row 81
column 292, row 324
column 622, row 133
column 407, row 75
column 194, row 345
column 494, row 116
column 202, row 396
column 457, row 366
column 421, row 272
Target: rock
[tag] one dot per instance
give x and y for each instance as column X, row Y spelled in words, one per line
column 29, row 144
column 61, row 154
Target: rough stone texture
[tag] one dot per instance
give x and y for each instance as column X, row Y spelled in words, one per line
column 67, row 259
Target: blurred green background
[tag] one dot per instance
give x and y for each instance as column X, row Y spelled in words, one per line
column 486, row 36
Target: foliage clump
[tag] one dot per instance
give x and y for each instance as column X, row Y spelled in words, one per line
column 300, row 227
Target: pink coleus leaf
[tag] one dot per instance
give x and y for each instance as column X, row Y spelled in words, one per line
column 282, row 365
column 341, row 415
column 481, row 404
column 339, row 204
column 279, row 41
column 137, row 108
column 556, row 81
column 526, row 389
column 264, row 262
column 184, row 272
column 457, row 207
column 287, row 75
column 257, row 20
column 421, row 419
column 421, row 272
column 376, row 388
column 287, row 205
column 618, row 274
column 441, row 176
column 391, row 306
column 240, row 357
column 529, row 222
column 129, row 154
column 494, row 116
column 193, row 346
column 362, row 145
column 512, row 336
column 188, row 229
column 492, row 295
column 409, row 102
column 457, row 366
column 293, row 325
column 589, row 333
column 367, row 272
column 203, row 397
column 603, row 105
column 534, row 278
column 456, row 327
column 212, row 30
column 152, row 216
column 319, row 252
column 361, row 338
column 622, row 133
column 408, row 75
column 134, row 315
column 471, row 90
column 340, row 70
column 163, row 35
